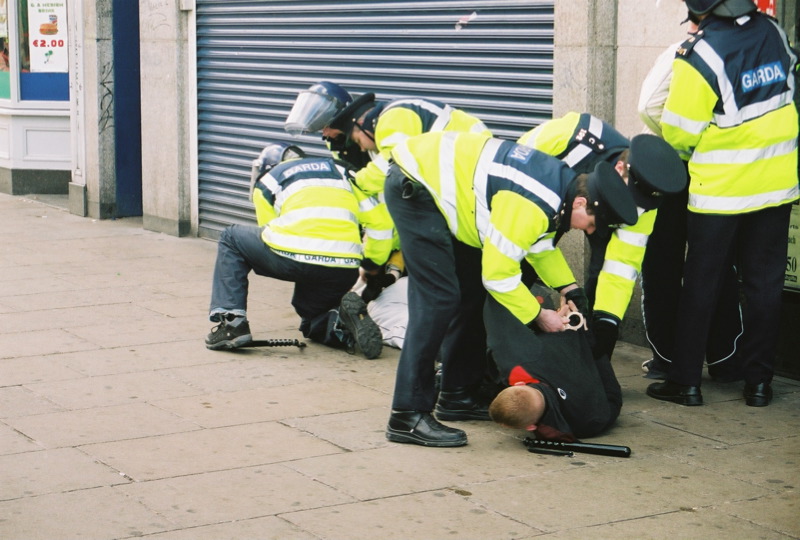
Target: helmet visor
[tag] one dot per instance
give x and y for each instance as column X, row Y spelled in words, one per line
column 310, row 113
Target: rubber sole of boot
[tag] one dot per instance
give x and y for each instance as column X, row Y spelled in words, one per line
column 353, row 312
column 241, row 341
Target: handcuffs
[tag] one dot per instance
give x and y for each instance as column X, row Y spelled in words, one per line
column 576, row 321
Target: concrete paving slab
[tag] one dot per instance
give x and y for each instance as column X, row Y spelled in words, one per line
column 752, row 423
column 198, row 289
column 649, row 440
column 159, row 247
column 15, row 272
column 23, row 287
column 138, row 358
column 13, row 256
column 432, row 515
column 66, row 297
column 155, row 329
column 276, row 366
column 50, row 253
column 109, row 390
column 627, row 360
column 767, row 464
column 14, row 442
column 181, row 306
column 87, row 513
column 73, row 317
column 400, row 469
column 133, row 272
column 265, row 404
column 35, row 369
column 690, row 523
column 268, row 528
column 52, row 471
column 251, row 492
column 123, row 277
column 17, row 401
column 353, row 431
column 777, row 512
column 256, row 368
column 575, row 496
column 102, row 424
column 378, row 374
column 208, row 450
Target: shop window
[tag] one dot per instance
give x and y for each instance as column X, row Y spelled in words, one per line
column 5, row 67
column 43, row 52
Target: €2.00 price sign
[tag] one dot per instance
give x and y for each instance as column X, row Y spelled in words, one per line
column 47, row 31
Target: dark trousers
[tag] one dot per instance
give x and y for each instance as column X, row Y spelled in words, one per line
column 317, row 290
column 756, row 243
column 662, row 277
column 598, row 242
column 445, row 299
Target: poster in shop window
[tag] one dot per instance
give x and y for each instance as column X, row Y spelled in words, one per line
column 47, row 35
column 792, row 280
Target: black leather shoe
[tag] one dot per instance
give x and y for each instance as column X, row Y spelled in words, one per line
column 422, row 428
column 757, row 395
column 461, row 404
column 676, row 393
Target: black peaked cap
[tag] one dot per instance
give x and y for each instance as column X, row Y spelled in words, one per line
column 654, row 170
column 611, row 200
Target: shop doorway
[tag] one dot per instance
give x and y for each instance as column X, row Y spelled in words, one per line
column 127, row 109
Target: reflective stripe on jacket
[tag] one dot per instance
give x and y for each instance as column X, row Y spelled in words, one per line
column 309, row 208
column 404, row 118
column 730, row 113
column 622, row 265
column 581, row 141
column 498, row 196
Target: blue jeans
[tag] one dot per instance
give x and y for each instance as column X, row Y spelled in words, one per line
column 318, row 289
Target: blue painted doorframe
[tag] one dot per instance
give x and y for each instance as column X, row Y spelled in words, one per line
column 127, row 108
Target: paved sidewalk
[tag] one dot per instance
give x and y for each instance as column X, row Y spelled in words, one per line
column 116, row 422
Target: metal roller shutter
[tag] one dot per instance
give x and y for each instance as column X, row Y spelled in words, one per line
column 493, row 58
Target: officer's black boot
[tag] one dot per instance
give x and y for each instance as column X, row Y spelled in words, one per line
column 464, row 403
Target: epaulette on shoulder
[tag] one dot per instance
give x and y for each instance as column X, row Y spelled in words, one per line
column 345, row 167
column 686, row 47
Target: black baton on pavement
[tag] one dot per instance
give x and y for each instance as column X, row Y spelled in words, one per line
column 587, row 448
column 274, row 343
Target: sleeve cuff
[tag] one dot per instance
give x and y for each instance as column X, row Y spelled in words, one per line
column 369, row 265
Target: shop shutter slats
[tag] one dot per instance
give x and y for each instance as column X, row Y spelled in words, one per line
column 253, row 57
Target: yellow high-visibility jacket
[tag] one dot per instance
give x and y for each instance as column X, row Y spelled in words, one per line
column 730, row 113
column 311, row 212
column 404, row 118
column 499, row 196
column 581, row 141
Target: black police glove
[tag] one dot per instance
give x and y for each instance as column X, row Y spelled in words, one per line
column 376, row 284
column 605, row 331
column 579, row 298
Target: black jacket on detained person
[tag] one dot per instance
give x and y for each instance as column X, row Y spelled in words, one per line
column 583, row 397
